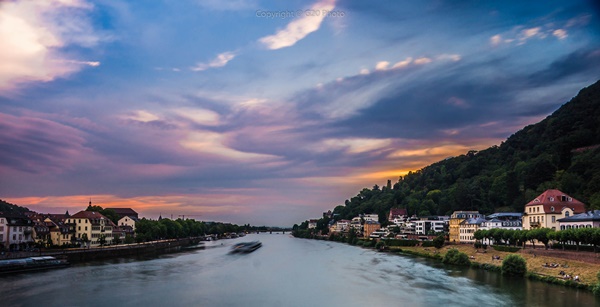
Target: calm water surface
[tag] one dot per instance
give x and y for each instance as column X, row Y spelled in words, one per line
column 284, row 272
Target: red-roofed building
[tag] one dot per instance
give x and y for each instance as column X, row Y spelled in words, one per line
column 93, row 225
column 545, row 210
column 397, row 213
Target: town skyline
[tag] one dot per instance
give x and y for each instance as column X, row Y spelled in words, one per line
column 265, row 112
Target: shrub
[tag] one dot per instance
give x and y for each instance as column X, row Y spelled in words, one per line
column 514, row 265
column 439, row 241
column 380, row 245
column 453, row 256
column 509, row 249
column 395, row 242
column 427, row 244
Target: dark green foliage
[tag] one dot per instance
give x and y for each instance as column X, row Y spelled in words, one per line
column 439, row 241
column 10, row 208
column 148, row 230
column 514, row 265
column 509, row 249
column 427, row 244
column 380, row 245
column 395, row 242
column 109, row 213
column 453, row 256
column 557, row 152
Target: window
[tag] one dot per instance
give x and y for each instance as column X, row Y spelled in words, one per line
column 567, row 213
column 79, row 228
column 554, row 219
column 552, row 208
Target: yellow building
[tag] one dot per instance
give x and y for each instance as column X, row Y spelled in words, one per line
column 370, row 227
column 92, row 225
column 455, row 220
column 545, row 210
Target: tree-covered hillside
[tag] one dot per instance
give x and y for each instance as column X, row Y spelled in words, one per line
column 559, row 152
column 10, row 208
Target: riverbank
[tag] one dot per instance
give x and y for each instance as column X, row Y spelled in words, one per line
column 78, row 255
column 586, row 266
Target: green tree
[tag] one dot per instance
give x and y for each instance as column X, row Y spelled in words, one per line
column 102, row 240
column 85, row 239
column 439, row 241
column 129, row 239
column 514, row 265
column 454, row 256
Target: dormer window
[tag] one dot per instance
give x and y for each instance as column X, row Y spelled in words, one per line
column 552, row 208
column 551, row 198
column 567, row 214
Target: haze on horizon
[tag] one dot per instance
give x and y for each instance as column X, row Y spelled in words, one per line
column 268, row 112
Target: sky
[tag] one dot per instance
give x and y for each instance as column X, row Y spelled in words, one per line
column 268, row 112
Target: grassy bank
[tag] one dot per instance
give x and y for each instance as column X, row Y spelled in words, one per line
column 586, row 270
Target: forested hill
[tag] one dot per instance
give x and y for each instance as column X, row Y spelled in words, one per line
column 559, row 152
column 10, row 208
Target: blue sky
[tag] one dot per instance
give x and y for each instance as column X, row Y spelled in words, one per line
column 268, row 112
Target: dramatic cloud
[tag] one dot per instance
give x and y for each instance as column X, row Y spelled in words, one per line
column 279, row 136
column 33, row 35
column 299, row 28
column 37, row 145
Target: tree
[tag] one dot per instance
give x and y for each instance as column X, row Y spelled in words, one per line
column 102, row 240
column 439, row 241
column 128, row 239
column 85, row 239
column 514, row 265
column 453, row 256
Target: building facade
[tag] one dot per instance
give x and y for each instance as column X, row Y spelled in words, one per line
column 454, row 223
column 370, row 227
column 431, row 225
column 92, row 225
column 545, row 210
column 467, row 229
column 590, row 219
column 128, row 221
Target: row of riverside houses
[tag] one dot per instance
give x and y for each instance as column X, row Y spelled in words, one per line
column 552, row 209
column 23, row 231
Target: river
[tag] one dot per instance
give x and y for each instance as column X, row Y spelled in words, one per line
column 285, row 272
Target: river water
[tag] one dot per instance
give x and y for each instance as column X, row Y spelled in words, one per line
column 285, row 272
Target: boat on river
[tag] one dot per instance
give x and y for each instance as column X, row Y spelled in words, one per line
column 31, row 264
column 245, row 247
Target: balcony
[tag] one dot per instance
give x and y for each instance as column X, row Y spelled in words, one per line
column 535, row 224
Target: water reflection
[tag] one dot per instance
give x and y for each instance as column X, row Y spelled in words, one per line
column 284, row 272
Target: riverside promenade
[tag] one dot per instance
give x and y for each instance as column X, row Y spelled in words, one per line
column 75, row 255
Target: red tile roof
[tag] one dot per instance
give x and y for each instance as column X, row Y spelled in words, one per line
column 558, row 200
column 394, row 212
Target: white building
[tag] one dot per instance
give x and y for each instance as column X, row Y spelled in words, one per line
column 429, row 225
column 342, row 225
column 127, row 221
column 371, row 217
column 467, row 228
column 590, row 219
column 3, row 232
